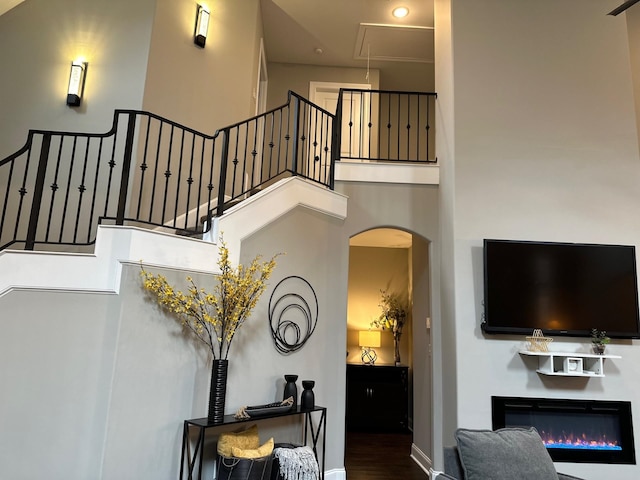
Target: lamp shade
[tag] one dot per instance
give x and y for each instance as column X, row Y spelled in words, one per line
column 369, row 338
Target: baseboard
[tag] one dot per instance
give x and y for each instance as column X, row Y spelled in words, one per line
column 335, row 474
column 421, row 459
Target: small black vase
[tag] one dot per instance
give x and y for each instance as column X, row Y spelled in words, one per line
column 218, row 391
column 308, row 398
column 291, row 389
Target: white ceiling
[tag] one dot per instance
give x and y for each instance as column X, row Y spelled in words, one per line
column 347, row 31
column 6, row 5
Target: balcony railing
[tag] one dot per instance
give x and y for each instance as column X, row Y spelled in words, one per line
column 385, row 125
column 149, row 171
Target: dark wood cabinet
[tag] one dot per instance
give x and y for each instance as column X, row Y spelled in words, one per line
column 377, row 397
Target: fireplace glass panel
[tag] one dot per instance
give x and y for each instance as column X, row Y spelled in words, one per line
column 585, row 431
column 571, row 430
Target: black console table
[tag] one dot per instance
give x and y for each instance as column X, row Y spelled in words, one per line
column 194, row 456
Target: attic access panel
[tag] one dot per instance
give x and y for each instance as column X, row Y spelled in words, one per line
column 397, row 43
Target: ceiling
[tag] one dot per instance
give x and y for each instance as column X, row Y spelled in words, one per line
column 6, row 5
column 345, row 32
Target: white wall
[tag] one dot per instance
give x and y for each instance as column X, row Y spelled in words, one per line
column 545, row 149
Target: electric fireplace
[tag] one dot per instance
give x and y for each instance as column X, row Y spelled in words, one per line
column 581, row 431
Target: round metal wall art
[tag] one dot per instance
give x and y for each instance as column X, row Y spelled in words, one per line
column 293, row 313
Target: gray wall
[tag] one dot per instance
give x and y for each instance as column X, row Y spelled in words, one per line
column 286, row 76
column 204, row 88
column 141, row 56
column 316, row 250
column 39, row 40
column 545, row 149
column 57, row 356
column 422, row 257
column 412, row 77
column 99, row 384
column 444, row 327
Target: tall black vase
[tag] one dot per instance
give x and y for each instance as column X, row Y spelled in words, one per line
column 290, row 389
column 218, row 391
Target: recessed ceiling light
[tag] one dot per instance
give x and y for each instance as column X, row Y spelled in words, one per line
column 400, row 12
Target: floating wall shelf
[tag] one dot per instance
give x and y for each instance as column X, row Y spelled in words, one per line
column 569, row 364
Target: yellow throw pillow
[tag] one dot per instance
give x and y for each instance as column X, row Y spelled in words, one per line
column 262, row 451
column 245, row 439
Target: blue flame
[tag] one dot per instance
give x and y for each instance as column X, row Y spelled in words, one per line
column 583, row 446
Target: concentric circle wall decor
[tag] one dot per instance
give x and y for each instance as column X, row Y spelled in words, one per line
column 293, row 313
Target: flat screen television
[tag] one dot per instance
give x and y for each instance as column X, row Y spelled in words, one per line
column 561, row 288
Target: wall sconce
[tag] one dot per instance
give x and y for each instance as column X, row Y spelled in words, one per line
column 366, row 340
column 76, row 83
column 202, row 26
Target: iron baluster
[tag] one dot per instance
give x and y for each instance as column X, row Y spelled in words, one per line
column 126, row 166
column 95, row 191
column 37, row 192
column 81, row 189
column 223, row 171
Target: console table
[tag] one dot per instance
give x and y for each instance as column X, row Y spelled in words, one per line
column 194, row 455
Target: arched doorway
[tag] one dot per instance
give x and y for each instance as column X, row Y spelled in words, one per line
column 396, row 262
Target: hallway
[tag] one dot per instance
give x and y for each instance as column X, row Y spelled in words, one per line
column 378, row 456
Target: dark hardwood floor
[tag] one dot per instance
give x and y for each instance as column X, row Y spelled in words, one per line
column 377, row 456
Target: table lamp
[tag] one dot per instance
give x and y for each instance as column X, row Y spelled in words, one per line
column 366, row 340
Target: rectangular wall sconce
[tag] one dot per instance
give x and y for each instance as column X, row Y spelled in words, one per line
column 202, row 26
column 76, row 83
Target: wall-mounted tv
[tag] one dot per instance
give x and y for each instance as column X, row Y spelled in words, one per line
column 561, row 288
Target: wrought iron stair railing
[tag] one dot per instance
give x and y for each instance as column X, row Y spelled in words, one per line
column 150, row 171
column 153, row 172
column 386, row 125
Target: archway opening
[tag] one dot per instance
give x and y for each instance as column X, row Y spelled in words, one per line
column 385, row 397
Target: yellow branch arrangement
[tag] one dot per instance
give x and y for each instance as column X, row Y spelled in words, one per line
column 214, row 317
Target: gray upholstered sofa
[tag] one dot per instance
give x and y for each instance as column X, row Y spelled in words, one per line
column 504, row 454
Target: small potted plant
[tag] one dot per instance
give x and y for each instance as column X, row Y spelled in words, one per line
column 599, row 340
